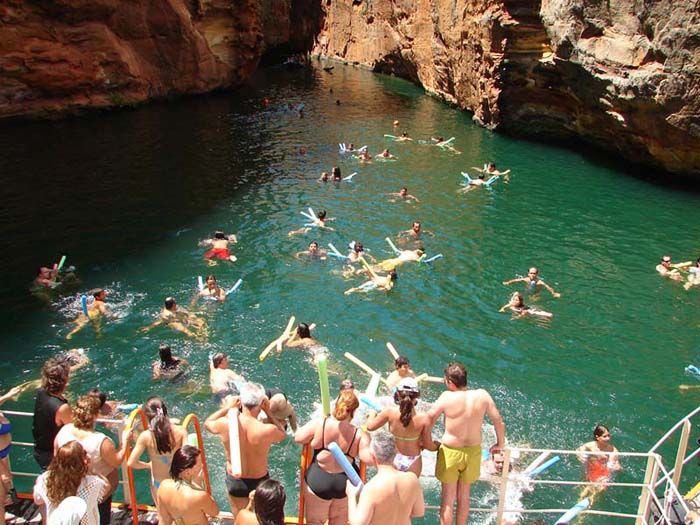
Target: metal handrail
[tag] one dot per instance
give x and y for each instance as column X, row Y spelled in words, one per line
column 192, row 418
column 130, row 471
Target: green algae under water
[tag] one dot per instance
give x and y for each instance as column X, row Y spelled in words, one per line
column 127, row 195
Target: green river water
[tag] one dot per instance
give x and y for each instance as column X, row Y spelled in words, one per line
column 127, row 195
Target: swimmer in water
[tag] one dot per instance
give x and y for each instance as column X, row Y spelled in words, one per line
column 385, row 155
column 396, row 124
column 319, row 222
column 314, row 252
column 324, row 177
column 693, row 276
column 416, row 231
column 357, row 252
column 403, row 370
column 476, row 183
column 168, row 366
column 388, row 265
column 47, row 278
column 301, row 337
column 490, row 170
column 533, row 283
column 403, row 194
column 96, row 310
column 222, row 379
column 599, row 467
column 335, row 174
column 219, row 247
column 211, row 290
column 672, row 271
column 176, row 318
column 403, row 138
column 520, row 309
column 365, row 157
column 382, row 283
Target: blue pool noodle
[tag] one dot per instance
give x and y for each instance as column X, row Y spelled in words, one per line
column 434, row 258
column 371, row 403
column 492, row 180
column 344, row 464
column 573, row 512
column 235, row 286
column 83, row 304
column 544, row 466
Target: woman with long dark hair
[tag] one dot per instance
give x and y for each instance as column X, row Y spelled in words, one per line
column 181, row 499
column 68, row 476
column 411, row 430
column 266, row 505
column 160, row 441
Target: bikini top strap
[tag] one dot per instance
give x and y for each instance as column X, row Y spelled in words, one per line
column 323, row 434
column 352, row 442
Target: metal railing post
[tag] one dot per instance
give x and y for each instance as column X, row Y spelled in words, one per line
column 650, row 476
column 504, row 486
column 680, row 454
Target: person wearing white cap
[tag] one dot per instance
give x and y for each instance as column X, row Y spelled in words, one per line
column 410, row 429
column 67, row 477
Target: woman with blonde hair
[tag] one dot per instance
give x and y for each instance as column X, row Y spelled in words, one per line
column 104, row 456
column 161, row 440
column 68, row 476
column 325, row 480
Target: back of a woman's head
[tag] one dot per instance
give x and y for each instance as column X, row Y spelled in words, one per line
column 183, row 459
column 346, row 405
column 85, row 412
column 66, row 472
column 54, row 376
column 406, row 401
column 303, row 331
column 269, row 502
column 159, row 423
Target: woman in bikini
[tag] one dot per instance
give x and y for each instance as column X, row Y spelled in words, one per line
column 517, row 306
column 160, row 441
column 181, row 500
column 411, row 430
column 325, row 479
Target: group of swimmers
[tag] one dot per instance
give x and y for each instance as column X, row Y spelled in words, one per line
column 689, row 270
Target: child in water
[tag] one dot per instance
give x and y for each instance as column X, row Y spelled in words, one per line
column 599, row 467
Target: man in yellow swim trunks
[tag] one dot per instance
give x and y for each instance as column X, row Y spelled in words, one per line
column 459, row 456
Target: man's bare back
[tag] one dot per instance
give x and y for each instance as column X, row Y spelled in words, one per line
column 389, row 498
column 464, row 415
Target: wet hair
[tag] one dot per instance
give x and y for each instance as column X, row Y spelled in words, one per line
column 183, row 458
column 358, row 247
column 269, row 502
column 85, row 412
column 533, row 269
column 492, row 165
column 401, row 361
column 54, row 376
column 345, row 405
column 482, row 176
column 404, row 189
column 303, row 331
column 456, row 374
column 169, row 303
column 217, row 359
column 336, row 172
column 66, row 472
column 210, row 277
column 252, row 395
column 517, row 296
column 383, row 447
column 99, row 394
column 159, row 423
column 97, row 292
column 219, row 235
column 414, row 223
column 599, row 430
column 393, row 275
column 166, row 356
column 406, row 400
column 313, row 243
column 321, row 214
column 665, row 257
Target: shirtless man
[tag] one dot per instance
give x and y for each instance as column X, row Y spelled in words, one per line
column 47, row 278
column 95, row 310
column 222, row 379
column 403, row 138
column 490, row 170
column 390, row 497
column 318, row 222
column 219, row 247
column 314, row 252
column 365, row 157
column 385, row 155
column 403, row 194
column 416, row 231
column 403, row 369
column 324, row 177
column 383, row 283
column 533, row 283
column 667, row 269
column 388, row 265
column 255, row 439
column 177, row 319
column 477, row 183
column 459, row 457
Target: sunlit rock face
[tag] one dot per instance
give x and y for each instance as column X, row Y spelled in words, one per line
column 622, row 75
column 60, row 56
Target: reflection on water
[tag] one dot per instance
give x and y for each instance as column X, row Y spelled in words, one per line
column 128, row 195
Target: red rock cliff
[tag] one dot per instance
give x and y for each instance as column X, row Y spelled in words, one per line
column 623, row 75
column 58, row 56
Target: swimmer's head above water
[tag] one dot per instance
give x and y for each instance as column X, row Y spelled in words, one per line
column 402, row 363
column 313, row 247
column 321, row 214
column 324, row 176
column 601, row 433
column 211, row 281
column 303, row 331
column 358, row 247
column 219, row 360
column 393, row 275
column 219, row 235
column 166, row 355
column 516, row 299
column 416, row 227
column 335, row 173
column 170, row 304
column 99, row 293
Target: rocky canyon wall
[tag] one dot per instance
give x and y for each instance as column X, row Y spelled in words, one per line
column 623, row 75
column 60, row 56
